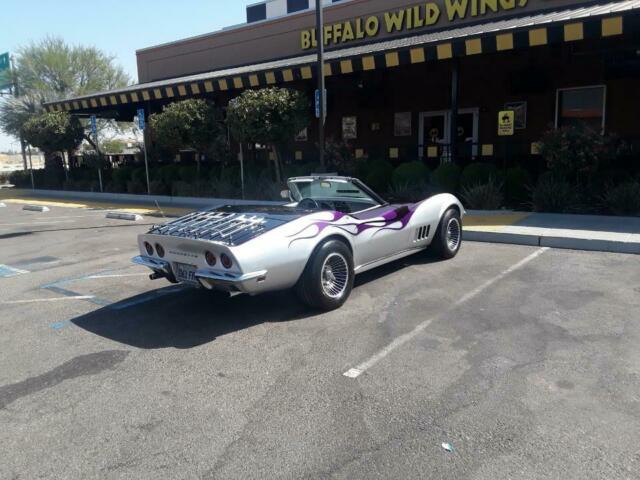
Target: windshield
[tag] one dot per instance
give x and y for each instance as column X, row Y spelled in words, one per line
column 342, row 195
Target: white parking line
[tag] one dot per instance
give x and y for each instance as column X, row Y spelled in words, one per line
column 402, row 339
column 57, row 299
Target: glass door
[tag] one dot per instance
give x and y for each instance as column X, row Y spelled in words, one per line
column 434, row 134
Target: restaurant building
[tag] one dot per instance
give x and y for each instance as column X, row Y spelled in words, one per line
column 396, row 70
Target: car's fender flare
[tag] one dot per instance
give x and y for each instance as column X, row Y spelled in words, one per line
column 331, row 236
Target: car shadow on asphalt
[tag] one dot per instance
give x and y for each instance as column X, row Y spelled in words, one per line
column 187, row 318
column 172, row 317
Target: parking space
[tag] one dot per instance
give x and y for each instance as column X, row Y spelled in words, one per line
column 524, row 359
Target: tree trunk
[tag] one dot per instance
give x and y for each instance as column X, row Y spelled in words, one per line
column 23, row 146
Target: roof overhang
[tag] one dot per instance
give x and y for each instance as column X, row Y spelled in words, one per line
column 562, row 26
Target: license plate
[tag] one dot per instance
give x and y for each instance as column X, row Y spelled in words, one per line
column 186, row 273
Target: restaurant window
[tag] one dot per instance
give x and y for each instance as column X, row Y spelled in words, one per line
column 584, row 105
column 297, row 5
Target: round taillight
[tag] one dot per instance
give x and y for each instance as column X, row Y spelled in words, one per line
column 160, row 250
column 210, row 258
column 226, row 261
column 149, row 248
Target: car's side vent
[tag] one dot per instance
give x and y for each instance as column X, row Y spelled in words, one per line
column 422, row 233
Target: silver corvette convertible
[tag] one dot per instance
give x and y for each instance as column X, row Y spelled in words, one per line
column 335, row 228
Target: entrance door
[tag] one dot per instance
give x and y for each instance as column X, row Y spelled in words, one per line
column 434, row 132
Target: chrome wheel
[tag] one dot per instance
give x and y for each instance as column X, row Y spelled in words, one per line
column 453, row 234
column 335, row 275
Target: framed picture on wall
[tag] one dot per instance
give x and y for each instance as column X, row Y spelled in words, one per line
column 520, row 109
column 402, row 124
column 349, row 128
column 302, row 136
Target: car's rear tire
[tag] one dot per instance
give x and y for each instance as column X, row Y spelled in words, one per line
column 327, row 280
column 448, row 238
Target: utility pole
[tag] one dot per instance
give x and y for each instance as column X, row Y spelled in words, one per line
column 321, row 83
column 16, row 93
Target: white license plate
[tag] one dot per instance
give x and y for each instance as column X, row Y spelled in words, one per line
column 185, row 273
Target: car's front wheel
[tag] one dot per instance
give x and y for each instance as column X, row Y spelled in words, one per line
column 448, row 238
column 327, row 280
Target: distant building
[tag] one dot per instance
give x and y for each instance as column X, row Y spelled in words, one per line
column 13, row 162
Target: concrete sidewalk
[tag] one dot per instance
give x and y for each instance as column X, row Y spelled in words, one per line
column 576, row 232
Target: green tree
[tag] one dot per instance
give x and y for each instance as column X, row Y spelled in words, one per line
column 54, row 132
column 113, row 146
column 271, row 116
column 191, row 124
column 57, row 70
column 51, row 70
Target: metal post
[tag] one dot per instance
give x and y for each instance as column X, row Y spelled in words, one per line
column 321, row 82
column 453, row 121
column 146, row 156
column 146, row 159
column 33, row 183
column 241, row 155
column 99, row 161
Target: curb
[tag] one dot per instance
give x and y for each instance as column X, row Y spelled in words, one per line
column 568, row 243
column 133, row 217
column 142, row 200
column 36, row 208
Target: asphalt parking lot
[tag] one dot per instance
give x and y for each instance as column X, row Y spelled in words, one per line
column 525, row 360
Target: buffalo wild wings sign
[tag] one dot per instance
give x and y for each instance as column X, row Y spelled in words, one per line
column 408, row 19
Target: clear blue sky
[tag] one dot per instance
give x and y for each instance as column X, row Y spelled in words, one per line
column 118, row 27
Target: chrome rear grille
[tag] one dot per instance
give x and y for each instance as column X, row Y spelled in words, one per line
column 228, row 228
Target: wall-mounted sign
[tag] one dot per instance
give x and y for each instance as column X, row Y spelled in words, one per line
column 302, row 135
column 506, row 123
column 5, row 71
column 349, row 128
column 402, row 124
column 404, row 20
column 520, row 109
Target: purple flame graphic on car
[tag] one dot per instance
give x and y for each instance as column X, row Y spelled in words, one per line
column 381, row 219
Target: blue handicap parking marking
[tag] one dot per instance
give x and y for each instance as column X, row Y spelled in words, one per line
column 8, row 272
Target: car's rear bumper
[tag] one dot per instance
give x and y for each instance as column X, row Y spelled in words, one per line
column 251, row 283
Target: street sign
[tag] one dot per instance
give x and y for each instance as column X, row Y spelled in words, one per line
column 318, row 103
column 94, row 125
column 141, row 119
column 5, row 71
column 506, row 123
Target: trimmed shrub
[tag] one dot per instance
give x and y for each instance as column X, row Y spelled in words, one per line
column 411, row 173
column 447, row 177
column 408, row 192
column 379, row 175
column 478, row 174
column 231, row 175
column 553, row 195
column 517, row 185
column 20, row 179
column 136, row 187
column 158, row 187
column 120, row 178
column 623, row 199
column 484, row 196
column 188, row 174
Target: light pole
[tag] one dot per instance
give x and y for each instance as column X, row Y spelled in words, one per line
column 321, row 90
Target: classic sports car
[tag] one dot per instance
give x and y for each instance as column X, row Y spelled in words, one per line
column 335, row 228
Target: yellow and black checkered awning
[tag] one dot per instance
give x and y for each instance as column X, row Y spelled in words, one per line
column 555, row 27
